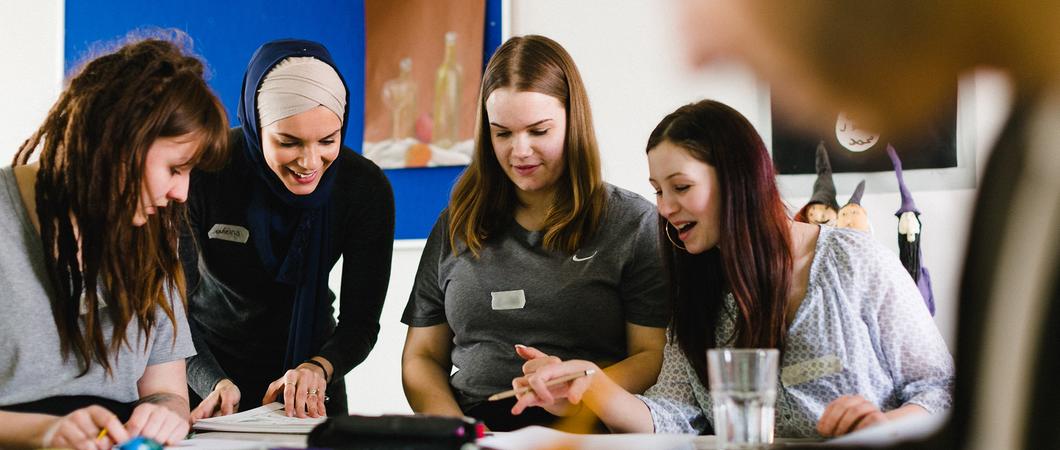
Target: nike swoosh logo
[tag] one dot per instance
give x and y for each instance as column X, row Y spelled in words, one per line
column 577, row 259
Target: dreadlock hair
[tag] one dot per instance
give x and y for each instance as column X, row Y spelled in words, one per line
column 92, row 148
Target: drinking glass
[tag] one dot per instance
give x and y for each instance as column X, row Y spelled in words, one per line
column 743, row 386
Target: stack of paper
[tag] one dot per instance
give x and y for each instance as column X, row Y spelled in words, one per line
column 265, row 419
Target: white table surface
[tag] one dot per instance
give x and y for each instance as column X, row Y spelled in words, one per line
column 526, row 439
column 539, row 437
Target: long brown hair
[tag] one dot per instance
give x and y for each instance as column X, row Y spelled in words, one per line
column 484, row 198
column 93, row 145
column 753, row 259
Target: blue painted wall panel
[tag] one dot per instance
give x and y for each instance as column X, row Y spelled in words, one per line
column 226, row 33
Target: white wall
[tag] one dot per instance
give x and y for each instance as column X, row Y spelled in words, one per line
column 31, row 40
column 633, row 67
column 374, row 387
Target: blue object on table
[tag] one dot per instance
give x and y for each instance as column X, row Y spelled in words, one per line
column 140, row 443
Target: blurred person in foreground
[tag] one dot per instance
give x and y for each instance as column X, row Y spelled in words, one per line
column 894, row 65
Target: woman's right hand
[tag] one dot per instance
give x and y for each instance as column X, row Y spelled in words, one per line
column 536, row 359
column 79, row 429
column 552, row 398
column 224, row 400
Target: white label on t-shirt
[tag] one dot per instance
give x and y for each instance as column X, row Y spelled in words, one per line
column 508, row 300
column 233, row 233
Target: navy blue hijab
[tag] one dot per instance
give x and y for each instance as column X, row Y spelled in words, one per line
column 291, row 232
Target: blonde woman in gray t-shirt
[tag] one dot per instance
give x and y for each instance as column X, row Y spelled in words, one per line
column 534, row 254
column 94, row 333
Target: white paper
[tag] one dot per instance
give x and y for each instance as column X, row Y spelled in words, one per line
column 539, row 437
column 264, row 419
column 220, row 444
column 913, row 426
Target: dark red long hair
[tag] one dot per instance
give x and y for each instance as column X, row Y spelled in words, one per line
column 753, row 258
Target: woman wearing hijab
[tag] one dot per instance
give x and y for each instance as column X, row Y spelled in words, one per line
column 265, row 233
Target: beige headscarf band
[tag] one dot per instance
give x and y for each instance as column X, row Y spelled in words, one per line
column 297, row 85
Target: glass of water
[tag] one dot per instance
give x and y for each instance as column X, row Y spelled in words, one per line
column 743, row 387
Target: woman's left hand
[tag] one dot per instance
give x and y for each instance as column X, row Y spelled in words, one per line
column 303, row 391
column 847, row 414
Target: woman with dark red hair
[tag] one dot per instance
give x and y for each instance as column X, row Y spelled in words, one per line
column 858, row 346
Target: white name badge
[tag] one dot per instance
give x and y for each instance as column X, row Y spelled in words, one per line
column 232, row 233
column 508, row 300
column 810, row 370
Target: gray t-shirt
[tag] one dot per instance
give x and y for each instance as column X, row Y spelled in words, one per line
column 31, row 363
column 516, row 292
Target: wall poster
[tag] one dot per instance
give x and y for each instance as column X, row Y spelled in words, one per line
column 423, row 62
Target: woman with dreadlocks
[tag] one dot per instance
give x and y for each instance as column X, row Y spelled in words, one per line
column 89, row 232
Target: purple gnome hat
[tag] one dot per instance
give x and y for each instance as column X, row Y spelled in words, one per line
column 859, row 191
column 910, row 252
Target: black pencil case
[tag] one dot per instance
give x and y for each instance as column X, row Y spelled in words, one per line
column 411, row 432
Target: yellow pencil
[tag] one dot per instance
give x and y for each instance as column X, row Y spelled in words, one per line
column 560, row 380
column 102, row 434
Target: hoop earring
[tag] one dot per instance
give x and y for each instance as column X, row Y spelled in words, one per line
column 668, row 226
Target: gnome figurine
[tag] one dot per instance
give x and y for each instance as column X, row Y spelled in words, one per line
column 852, row 215
column 909, row 236
column 822, row 209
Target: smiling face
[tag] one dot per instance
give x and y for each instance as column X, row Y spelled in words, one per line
column 528, row 132
column 166, row 170
column 687, row 194
column 300, row 148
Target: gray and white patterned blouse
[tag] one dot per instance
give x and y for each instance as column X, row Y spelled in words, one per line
column 861, row 329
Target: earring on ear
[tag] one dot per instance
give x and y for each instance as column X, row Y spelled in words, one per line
column 668, row 226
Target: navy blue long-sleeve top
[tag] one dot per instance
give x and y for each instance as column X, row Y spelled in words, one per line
column 240, row 316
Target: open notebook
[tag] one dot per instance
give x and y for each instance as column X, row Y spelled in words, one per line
column 263, row 419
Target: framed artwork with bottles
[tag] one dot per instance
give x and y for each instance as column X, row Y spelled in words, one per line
column 423, row 65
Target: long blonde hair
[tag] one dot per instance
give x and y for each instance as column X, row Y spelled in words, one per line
column 484, row 199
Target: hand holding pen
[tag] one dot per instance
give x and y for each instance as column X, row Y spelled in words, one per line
column 89, row 427
column 549, row 382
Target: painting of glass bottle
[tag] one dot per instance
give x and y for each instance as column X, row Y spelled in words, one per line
column 446, row 110
column 399, row 95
